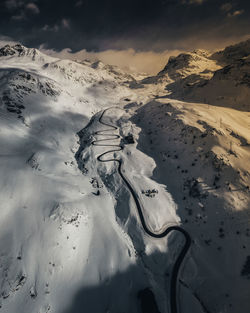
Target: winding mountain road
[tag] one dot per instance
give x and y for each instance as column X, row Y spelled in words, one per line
column 185, row 248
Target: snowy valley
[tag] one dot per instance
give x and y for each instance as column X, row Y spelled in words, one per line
column 71, row 235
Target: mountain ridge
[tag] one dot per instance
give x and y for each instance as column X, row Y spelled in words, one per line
column 221, row 78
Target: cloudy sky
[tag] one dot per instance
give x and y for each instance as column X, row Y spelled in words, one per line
column 142, row 32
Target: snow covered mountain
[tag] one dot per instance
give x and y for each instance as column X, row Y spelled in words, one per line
column 71, row 236
column 221, row 78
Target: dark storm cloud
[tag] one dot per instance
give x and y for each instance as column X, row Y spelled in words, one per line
column 143, row 25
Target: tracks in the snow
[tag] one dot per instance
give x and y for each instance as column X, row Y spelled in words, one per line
column 185, row 248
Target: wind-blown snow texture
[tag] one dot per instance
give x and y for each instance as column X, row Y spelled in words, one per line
column 70, row 237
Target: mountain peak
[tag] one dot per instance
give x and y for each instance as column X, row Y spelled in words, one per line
column 18, row 50
column 202, row 52
column 8, row 50
column 188, row 63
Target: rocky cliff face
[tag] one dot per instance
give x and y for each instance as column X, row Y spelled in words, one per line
column 232, row 53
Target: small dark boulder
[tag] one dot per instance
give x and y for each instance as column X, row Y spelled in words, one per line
column 129, row 139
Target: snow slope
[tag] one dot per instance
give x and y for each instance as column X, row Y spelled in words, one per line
column 69, row 230
column 70, row 235
column 202, row 156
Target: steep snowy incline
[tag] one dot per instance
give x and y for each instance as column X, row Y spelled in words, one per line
column 70, row 235
column 202, row 156
column 55, row 233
